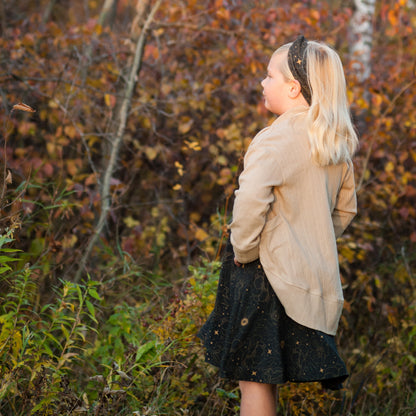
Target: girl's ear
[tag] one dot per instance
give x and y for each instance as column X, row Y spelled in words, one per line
column 294, row 88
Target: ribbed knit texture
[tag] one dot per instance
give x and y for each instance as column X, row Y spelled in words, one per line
column 288, row 212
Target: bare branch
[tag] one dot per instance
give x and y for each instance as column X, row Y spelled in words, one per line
column 116, row 143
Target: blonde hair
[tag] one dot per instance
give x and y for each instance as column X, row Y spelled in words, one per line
column 332, row 136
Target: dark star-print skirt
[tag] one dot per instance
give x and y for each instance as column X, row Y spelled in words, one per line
column 248, row 336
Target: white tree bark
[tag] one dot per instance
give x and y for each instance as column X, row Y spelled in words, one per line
column 108, row 7
column 361, row 36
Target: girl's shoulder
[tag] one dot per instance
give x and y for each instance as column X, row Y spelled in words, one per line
column 286, row 131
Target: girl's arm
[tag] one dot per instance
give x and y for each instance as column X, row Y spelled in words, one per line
column 252, row 201
column 346, row 207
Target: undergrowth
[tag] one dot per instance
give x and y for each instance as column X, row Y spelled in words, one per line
column 89, row 352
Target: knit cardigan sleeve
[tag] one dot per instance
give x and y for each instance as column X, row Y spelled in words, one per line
column 252, row 200
column 346, row 205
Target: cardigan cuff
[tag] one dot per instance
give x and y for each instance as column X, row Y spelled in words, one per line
column 246, row 256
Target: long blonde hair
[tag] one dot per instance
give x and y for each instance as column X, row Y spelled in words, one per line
column 332, row 136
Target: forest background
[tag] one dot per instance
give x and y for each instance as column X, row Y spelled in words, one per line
column 123, row 126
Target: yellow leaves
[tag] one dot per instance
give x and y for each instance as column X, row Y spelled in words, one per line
column 16, row 345
column 192, row 281
column 71, row 131
column 200, row 234
column 9, row 334
column 223, row 13
column 98, row 30
column 51, row 149
column 66, row 358
column 413, row 154
column 225, row 176
column 159, row 32
column 232, row 132
column 166, row 88
column 376, row 104
column 185, row 125
column 413, row 24
column 393, row 199
column 194, row 216
column 362, row 103
column 389, row 167
column 388, row 123
column 350, row 96
column 73, row 166
column 155, row 212
column 179, row 168
column 348, row 251
column 402, row 274
column 392, row 17
column 150, row 152
column 146, row 123
column 131, row 222
column 367, row 174
column 191, row 145
column 110, row 100
column 314, row 14
column 53, row 104
column 69, row 241
column 376, row 100
column 253, row 67
column 221, row 160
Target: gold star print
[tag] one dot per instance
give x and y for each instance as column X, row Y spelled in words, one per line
column 269, row 351
column 299, row 61
column 254, row 373
column 216, row 332
column 321, row 370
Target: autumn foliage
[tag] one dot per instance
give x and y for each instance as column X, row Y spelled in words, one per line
column 195, row 105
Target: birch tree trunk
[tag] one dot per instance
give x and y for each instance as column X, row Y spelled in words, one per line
column 107, row 12
column 361, row 36
column 117, row 138
column 48, row 10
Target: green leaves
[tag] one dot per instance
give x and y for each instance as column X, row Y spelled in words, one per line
column 52, row 338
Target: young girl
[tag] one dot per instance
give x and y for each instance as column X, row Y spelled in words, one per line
column 279, row 296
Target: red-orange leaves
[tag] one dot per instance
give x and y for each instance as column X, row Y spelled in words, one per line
column 23, row 107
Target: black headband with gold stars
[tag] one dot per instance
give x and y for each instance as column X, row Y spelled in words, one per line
column 297, row 64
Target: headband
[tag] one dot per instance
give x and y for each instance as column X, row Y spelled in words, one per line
column 297, row 64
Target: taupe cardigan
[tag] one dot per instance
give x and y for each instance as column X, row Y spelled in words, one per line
column 289, row 212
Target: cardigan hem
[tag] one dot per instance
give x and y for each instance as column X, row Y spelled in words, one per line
column 304, row 306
